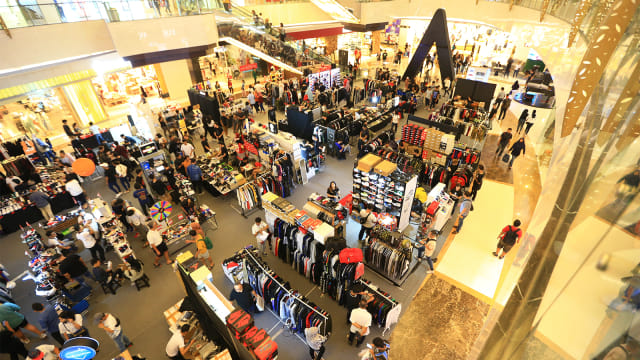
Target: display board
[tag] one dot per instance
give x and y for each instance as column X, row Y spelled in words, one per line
column 477, row 90
column 409, row 194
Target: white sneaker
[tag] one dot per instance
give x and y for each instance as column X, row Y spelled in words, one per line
column 43, row 335
column 25, row 341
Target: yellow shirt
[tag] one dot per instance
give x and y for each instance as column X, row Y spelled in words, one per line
column 202, row 246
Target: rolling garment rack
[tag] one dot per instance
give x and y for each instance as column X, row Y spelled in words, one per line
column 292, row 294
column 243, row 209
column 396, row 307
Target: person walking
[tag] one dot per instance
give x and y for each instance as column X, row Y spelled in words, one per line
column 13, row 320
column 517, row 148
column 505, row 138
column 260, row 230
column 111, row 325
column 509, row 236
column 43, row 202
column 360, row 322
column 501, row 96
column 530, row 122
column 202, row 253
column 504, row 106
column 466, row 206
column 315, row 341
column 88, row 239
column 367, row 221
column 48, row 320
column 524, row 115
column 157, row 244
column 111, row 177
column 121, row 171
column 195, row 175
column 476, row 183
column 395, row 119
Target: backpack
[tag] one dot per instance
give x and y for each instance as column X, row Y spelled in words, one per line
column 207, row 242
column 510, row 236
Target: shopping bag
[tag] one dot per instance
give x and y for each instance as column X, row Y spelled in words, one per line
column 506, row 158
column 260, row 303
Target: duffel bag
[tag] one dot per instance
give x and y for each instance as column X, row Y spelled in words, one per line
column 254, row 337
column 350, row 255
column 239, row 321
column 267, row 350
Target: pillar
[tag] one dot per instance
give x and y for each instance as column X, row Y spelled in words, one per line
column 332, row 44
column 376, row 37
column 176, row 79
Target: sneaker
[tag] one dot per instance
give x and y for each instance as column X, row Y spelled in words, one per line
column 25, row 341
column 429, row 271
column 495, row 253
column 43, row 335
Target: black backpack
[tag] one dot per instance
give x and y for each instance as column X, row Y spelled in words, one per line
column 510, row 236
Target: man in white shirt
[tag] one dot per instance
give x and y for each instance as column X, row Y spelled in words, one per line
column 111, row 325
column 136, row 218
column 501, row 95
column 84, row 234
column 260, row 230
column 187, row 149
column 158, row 245
column 368, row 221
column 76, row 191
column 54, row 241
column 360, row 322
column 44, row 352
column 66, row 159
column 175, row 347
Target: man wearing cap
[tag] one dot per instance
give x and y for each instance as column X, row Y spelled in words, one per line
column 111, row 325
column 44, row 352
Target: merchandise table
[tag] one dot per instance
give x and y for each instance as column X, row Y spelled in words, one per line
column 219, row 178
column 12, row 221
column 90, row 141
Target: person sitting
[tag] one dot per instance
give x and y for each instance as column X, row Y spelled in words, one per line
column 341, row 150
column 132, row 269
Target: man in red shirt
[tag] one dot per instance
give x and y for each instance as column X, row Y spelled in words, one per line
column 509, row 236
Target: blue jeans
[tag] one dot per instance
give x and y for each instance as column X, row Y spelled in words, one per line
column 430, row 262
column 99, row 139
column 460, row 222
column 511, row 161
column 122, row 341
column 80, row 279
column 114, row 187
column 125, row 183
column 420, row 249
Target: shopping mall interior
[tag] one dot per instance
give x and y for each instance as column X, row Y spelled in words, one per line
column 257, row 179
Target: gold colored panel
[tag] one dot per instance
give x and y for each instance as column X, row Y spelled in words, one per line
column 595, row 60
column 583, row 8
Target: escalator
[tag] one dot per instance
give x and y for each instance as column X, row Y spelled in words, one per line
column 238, row 28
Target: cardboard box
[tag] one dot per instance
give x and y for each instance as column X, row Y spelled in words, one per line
column 368, row 162
column 385, row 168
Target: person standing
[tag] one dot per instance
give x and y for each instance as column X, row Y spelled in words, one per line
column 43, row 202
column 157, row 244
column 501, row 96
column 476, row 184
column 509, row 236
column 522, row 120
column 202, row 253
column 426, row 248
column 12, row 319
column 517, row 148
column 121, row 171
column 379, row 349
column 187, row 149
column 260, row 230
column 395, row 119
column 84, row 234
column 530, row 122
column 176, row 349
column 111, row 177
column 315, row 341
column 494, row 110
column 159, row 187
column 367, row 221
column 73, row 267
column 74, row 189
column 195, row 175
column 505, row 138
column 70, row 325
column 244, row 296
column 504, row 106
column 465, row 207
column 144, row 198
column 360, row 322
column 49, row 321
column 111, row 325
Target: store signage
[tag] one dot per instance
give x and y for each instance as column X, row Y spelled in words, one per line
column 80, row 348
column 478, row 73
column 248, row 67
column 325, row 68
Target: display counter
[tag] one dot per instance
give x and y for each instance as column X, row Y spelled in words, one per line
column 445, row 206
column 219, row 178
column 90, row 141
column 29, row 213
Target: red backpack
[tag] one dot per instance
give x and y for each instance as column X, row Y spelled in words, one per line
column 350, row 255
column 267, row 350
column 239, row 321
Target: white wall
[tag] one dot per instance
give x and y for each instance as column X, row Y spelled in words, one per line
column 293, row 13
column 47, row 43
column 153, row 35
column 178, row 79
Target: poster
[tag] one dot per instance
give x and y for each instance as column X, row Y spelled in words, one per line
column 407, row 202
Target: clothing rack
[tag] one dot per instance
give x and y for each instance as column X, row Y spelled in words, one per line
column 289, row 292
column 391, row 301
column 242, row 210
column 395, row 306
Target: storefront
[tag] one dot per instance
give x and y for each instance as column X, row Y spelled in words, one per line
column 117, row 88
